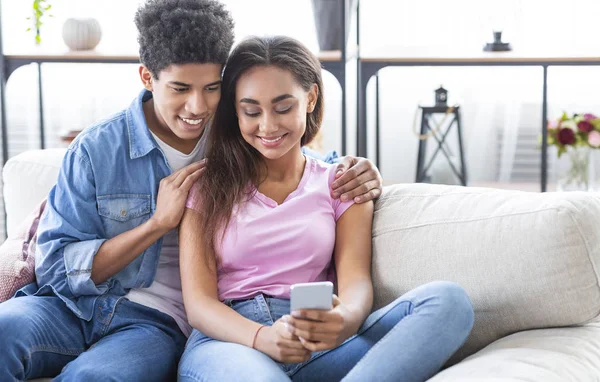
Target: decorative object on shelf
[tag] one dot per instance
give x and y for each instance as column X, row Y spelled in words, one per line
column 328, row 22
column 40, row 10
column 82, row 34
column 575, row 136
column 432, row 171
column 497, row 45
column 441, row 96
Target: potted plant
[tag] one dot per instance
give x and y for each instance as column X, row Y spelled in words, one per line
column 40, row 9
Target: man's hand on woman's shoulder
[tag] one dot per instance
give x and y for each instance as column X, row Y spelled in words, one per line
column 358, row 179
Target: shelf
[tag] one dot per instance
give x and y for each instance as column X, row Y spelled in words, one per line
column 443, row 55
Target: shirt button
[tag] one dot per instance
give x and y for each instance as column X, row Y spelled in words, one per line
column 123, row 212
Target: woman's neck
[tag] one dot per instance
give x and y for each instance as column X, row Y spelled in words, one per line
column 287, row 168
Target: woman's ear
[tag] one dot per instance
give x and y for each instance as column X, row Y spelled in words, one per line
column 313, row 96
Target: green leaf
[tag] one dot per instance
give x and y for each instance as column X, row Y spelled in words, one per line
column 48, row 7
column 38, row 39
column 28, row 29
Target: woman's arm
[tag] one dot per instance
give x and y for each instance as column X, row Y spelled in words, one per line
column 322, row 330
column 199, row 286
column 206, row 313
column 353, row 263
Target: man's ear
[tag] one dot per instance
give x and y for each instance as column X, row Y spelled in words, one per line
column 313, row 96
column 146, row 77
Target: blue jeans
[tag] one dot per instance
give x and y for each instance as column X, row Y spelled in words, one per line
column 408, row 340
column 41, row 337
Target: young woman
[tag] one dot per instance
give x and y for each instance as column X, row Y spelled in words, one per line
column 261, row 218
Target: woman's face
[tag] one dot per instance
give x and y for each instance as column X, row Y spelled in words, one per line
column 271, row 108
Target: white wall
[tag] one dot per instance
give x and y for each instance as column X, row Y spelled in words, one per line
column 491, row 98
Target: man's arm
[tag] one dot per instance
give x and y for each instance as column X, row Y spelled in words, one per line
column 73, row 253
column 118, row 252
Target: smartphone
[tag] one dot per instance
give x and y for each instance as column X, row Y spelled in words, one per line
column 317, row 295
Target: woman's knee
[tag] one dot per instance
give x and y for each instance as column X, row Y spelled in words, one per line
column 454, row 304
column 216, row 361
column 446, row 300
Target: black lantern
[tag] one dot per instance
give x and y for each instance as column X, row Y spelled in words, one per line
column 497, row 45
column 441, row 96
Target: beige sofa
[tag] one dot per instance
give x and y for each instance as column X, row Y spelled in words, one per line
column 529, row 262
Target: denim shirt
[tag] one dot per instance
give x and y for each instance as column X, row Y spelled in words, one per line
column 107, row 185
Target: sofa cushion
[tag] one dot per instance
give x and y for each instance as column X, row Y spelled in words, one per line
column 17, row 255
column 27, row 178
column 549, row 355
column 527, row 260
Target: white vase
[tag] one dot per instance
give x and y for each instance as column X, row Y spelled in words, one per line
column 81, row 34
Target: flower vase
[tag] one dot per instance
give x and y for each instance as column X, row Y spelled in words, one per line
column 575, row 170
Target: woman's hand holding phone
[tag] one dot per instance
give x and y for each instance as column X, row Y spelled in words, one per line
column 279, row 343
column 321, row 329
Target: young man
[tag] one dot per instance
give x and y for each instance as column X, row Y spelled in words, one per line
column 107, row 304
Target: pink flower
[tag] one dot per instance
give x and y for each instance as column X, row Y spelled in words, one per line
column 589, row 116
column 566, row 136
column 553, row 124
column 585, row 126
column 594, row 139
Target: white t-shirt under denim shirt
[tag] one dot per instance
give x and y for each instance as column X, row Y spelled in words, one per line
column 164, row 294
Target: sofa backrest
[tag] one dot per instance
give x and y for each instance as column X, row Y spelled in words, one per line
column 527, row 260
column 28, row 177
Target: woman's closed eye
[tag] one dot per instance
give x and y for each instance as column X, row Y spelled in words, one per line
column 252, row 113
column 283, row 109
column 279, row 109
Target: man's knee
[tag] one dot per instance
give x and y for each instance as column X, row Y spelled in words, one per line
column 14, row 323
column 88, row 372
column 15, row 335
column 30, row 335
column 85, row 369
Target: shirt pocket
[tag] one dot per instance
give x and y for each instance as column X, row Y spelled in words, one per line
column 123, row 212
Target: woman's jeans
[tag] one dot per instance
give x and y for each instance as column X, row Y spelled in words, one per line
column 408, row 340
column 125, row 341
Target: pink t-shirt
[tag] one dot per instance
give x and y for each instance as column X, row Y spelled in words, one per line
column 269, row 246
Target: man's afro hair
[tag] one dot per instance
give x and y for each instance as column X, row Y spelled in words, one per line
column 182, row 32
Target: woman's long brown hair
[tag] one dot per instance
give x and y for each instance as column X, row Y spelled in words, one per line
column 232, row 163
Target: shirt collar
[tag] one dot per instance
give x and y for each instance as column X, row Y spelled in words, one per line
column 140, row 138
